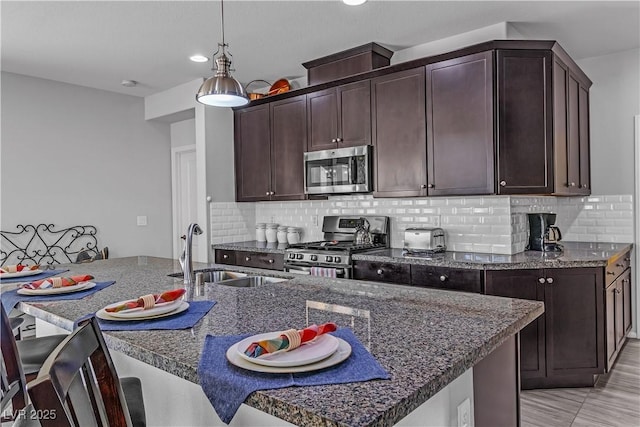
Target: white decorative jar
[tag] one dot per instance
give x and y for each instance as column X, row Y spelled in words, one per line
column 271, row 233
column 282, row 234
column 293, row 235
column 260, row 232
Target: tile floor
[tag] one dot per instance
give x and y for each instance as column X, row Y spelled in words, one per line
column 613, row 402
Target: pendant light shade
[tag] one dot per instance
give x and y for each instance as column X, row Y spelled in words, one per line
column 222, row 90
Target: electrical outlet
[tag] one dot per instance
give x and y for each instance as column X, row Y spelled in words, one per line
column 464, row 413
column 142, row 220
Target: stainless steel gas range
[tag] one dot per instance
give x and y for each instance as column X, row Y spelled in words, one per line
column 335, row 251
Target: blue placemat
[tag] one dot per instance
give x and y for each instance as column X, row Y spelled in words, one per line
column 185, row 320
column 227, row 386
column 11, row 298
column 39, row 276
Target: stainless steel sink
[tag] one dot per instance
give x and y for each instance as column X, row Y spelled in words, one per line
column 215, row 275
column 249, row 281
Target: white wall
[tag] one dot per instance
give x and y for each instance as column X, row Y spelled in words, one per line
column 72, row 155
column 614, row 101
column 183, row 133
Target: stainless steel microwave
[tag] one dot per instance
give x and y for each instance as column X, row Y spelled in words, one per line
column 343, row 170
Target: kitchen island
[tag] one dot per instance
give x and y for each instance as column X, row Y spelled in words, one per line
column 424, row 338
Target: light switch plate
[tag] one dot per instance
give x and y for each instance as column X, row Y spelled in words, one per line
column 142, row 220
column 464, row 413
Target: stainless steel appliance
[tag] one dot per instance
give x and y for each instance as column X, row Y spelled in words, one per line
column 543, row 235
column 424, row 241
column 339, row 244
column 343, row 170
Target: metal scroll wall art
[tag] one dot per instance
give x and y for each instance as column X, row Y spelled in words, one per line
column 42, row 244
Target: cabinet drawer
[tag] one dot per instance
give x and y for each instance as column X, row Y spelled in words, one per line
column 225, row 256
column 447, row 278
column 260, row 260
column 617, row 266
column 382, row 272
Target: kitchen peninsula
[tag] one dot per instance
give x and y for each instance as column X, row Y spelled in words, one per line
column 425, row 339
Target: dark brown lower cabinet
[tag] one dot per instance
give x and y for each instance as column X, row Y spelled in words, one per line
column 618, row 315
column 564, row 347
column 382, row 272
column 270, row 261
column 453, row 279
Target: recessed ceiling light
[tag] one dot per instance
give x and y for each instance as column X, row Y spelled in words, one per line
column 354, row 2
column 129, row 83
column 198, row 58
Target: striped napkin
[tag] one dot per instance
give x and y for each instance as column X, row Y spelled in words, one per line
column 148, row 301
column 288, row 340
column 17, row 268
column 57, row 282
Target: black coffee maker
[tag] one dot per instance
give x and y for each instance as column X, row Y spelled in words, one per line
column 543, row 235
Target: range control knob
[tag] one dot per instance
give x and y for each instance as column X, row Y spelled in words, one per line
column 329, row 258
column 299, row 256
column 314, row 257
column 292, row 256
column 336, row 259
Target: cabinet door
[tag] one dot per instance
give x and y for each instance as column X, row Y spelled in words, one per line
column 460, row 125
column 619, row 321
column 575, row 324
column 625, row 280
column 354, row 112
column 399, row 133
column 252, row 153
column 322, row 119
column 525, row 107
column 610, row 328
column 223, row 256
column 585, row 141
column 382, row 272
column 523, row 284
column 288, row 143
column 269, row 261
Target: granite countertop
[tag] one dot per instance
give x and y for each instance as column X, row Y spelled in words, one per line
column 575, row 254
column 425, row 338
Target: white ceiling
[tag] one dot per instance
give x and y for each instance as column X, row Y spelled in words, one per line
column 98, row 44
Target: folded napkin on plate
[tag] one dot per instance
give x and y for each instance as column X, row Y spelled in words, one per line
column 17, row 268
column 148, row 301
column 57, row 282
column 288, row 340
column 227, row 386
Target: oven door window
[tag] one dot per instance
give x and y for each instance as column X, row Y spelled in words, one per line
column 337, row 171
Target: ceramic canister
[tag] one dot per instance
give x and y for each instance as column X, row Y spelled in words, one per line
column 282, row 234
column 271, row 232
column 293, row 235
column 260, row 232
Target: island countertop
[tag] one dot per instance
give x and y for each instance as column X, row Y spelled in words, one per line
column 424, row 338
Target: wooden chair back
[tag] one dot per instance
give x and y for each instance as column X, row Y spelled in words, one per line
column 78, row 384
column 13, row 380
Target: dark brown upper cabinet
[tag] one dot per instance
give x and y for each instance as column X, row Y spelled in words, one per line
column 340, row 116
column 460, row 126
column 543, row 124
column 399, row 134
column 270, row 140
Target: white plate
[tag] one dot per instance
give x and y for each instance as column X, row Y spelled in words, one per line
column 20, row 274
column 52, row 291
column 135, row 313
column 313, row 351
column 179, row 308
column 341, row 354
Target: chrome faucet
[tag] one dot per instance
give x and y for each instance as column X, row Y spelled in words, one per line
column 189, row 276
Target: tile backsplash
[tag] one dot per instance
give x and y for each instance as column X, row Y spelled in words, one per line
column 487, row 224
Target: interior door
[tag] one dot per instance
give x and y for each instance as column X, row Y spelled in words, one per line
column 185, row 195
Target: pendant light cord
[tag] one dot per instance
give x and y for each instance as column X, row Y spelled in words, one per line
column 222, row 19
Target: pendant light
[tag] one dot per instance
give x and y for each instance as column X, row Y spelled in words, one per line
column 222, row 90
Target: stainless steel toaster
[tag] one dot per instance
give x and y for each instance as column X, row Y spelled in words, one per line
column 424, row 240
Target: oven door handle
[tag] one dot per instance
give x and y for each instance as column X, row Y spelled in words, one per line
column 299, row 269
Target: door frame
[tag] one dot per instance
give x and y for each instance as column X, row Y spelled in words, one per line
column 635, row 333
column 176, row 152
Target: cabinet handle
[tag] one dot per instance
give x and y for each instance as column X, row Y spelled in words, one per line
column 247, row 259
column 541, row 280
column 549, row 280
column 443, row 278
column 267, row 193
column 624, row 280
column 611, row 273
column 628, row 259
column 379, row 271
column 273, row 192
column 270, row 261
column 430, row 185
column 585, row 186
column 619, row 265
column 572, row 184
column 617, row 291
column 503, row 183
column 423, row 186
column 334, row 140
column 225, row 256
column 338, row 139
